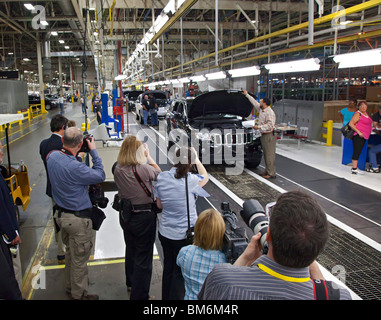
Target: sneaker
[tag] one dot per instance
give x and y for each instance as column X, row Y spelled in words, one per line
column 356, row 171
column 373, row 170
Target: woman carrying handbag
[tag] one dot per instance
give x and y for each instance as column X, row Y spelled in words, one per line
column 171, row 196
column 137, row 215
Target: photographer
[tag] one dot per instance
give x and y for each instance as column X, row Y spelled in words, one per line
column 58, row 124
column 170, row 192
column 70, row 180
column 198, row 259
column 139, row 225
column 297, row 234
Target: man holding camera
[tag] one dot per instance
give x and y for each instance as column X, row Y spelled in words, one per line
column 297, row 234
column 70, row 180
column 58, row 124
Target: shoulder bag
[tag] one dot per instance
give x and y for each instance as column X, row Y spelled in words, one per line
column 347, row 132
column 155, row 208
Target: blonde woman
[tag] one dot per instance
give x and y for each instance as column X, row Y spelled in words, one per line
column 197, row 260
column 139, row 227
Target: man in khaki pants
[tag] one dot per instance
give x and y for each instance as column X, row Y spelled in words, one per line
column 266, row 125
column 69, row 180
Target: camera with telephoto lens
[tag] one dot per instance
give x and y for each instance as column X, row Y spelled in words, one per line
column 97, row 196
column 235, row 238
column 85, row 145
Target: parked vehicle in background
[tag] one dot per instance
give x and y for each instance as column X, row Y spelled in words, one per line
column 214, row 124
column 51, row 101
column 132, row 96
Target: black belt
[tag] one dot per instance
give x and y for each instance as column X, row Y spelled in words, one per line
column 147, row 206
column 75, row 212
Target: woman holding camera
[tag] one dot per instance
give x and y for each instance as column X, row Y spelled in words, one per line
column 197, row 260
column 170, row 192
column 139, row 227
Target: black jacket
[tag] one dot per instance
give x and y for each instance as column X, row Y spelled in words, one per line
column 46, row 146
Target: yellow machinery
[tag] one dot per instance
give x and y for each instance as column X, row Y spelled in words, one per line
column 18, row 178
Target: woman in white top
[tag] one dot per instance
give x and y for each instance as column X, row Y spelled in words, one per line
column 171, row 197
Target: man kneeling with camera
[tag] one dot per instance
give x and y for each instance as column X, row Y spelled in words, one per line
column 70, row 180
column 297, row 234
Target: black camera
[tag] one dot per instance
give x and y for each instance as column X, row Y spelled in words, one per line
column 235, row 238
column 85, row 145
column 97, row 196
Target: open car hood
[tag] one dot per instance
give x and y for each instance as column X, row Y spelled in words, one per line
column 221, row 101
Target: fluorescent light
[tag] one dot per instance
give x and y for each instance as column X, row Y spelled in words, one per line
column 44, row 23
column 170, row 7
column 67, row 47
column 120, row 77
column 294, row 66
column 61, row 41
column 54, row 33
column 216, row 75
column 185, row 79
column 358, row 59
column 160, row 21
column 26, row 59
column 29, row 6
column 10, row 53
column 244, row 72
column 198, row 78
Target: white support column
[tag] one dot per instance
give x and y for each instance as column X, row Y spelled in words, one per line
column 40, row 77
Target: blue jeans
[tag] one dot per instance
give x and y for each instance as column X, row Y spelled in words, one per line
column 373, row 155
column 145, row 116
column 154, row 118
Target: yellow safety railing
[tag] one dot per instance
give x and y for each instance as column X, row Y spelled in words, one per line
column 329, row 134
column 30, row 113
column 35, row 110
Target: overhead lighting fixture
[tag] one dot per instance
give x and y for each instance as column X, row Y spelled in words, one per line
column 26, row 59
column 184, row 80
column 120, row 77
column 61, row 41
column 170, row 7
column 44, row 23
column 245, row 72
column 10, row 53
column 67, row 47
column 216, row 75
column 312, row 64
column 29, row 6
column 54, row 33
column 358, row 59
column 198, row 78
